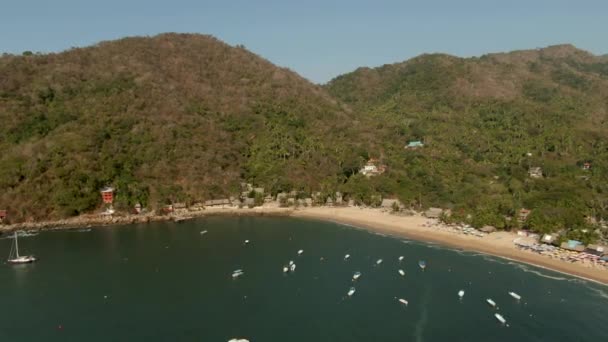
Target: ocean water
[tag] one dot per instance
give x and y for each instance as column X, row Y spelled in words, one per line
column 167, row 282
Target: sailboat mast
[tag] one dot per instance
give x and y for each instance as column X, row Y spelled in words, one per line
column 16, row 245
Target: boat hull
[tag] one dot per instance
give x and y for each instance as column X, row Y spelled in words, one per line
column 22, row 260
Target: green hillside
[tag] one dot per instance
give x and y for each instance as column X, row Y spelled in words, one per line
column 484, row 123
column 170, row 118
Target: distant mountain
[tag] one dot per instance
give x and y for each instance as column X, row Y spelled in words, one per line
column 175, row 117
column 484, row 122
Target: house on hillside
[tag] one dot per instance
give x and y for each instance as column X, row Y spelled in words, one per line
column 535, row 172
column 586, row 166
column 107, row 195
column 523, row 215
column 137, row 208
column 373, row 167
column 414, row 144
column 2, row 215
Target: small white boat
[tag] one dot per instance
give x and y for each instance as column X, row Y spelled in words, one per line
column 285, row 269
column 461, row 294
column 422, row 264
column 514, row 295
column 379, row 261
column 15, row 258
column 300, row 252
column 402, row 273
column 292, row 267
column 356, row 275
column 491, row 302
column 351, row 291
column 237, row 273
column 403, row 301
column 290, row 262
column 500, row 318
column 238, row 340
column 401, row 258
column 246, row 242
column 203, row 232
column 346, row 256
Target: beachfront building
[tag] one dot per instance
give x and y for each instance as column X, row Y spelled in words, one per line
column 414, row 144
column 596, row 249
column 433, row 213
column 586, row 166
column 217, row 203
column 107, row 195
column 535, row 172
column 573, row 245
column 488, row 229
column 548, row 239
column 2, row 215
column 137, row 208
column 390, row 204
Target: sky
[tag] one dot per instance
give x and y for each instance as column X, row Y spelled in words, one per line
column 318, row 39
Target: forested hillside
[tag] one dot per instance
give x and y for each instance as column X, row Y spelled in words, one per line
column 183, row 118
column 484, row 123
column 170, row 118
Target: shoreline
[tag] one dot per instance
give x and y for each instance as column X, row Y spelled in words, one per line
column 414, row 227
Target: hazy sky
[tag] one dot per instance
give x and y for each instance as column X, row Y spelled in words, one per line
column 318, row 39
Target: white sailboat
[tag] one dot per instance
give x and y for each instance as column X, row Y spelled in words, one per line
column 461, row 294
column 402, row 273
column 15, row 258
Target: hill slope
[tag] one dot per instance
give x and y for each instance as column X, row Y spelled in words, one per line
column 174, row 117
column 484, row 122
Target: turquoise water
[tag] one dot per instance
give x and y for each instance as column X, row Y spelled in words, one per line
column 167, row 282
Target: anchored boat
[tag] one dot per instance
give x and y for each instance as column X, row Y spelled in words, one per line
column 401, row 258
column 403, row 301
column 15, row 258
column 500, row 318
column 346, row 256
column 514, row 295
column 351, row 291
column 491, row 302
column 237, row 273
column 379, row 261
column 356, row 275
column 402, row 273
column 422, row 264
column 460, row 294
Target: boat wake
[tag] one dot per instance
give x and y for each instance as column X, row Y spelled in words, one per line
column 600, row 293
column 424, row 317
column 526, row 269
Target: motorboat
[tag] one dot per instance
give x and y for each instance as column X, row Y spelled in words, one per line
column 378, row 262
column 403, row 301
column 346, row 256
column 491, row 302
column 351, row 291
column 292, row 267
column 514, row 295
column 237, row 273
column 401, row 258
column 356, row 275
column 422, row 264
column 402, row 273
column 460, row 294
column 300, row 252
column 500, row 318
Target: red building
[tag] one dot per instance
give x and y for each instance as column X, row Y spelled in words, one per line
column 2, row 215
column 107, row 194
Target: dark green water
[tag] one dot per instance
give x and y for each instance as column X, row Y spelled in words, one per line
column 167, row 282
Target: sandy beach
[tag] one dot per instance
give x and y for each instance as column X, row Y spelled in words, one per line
column 417, row 227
